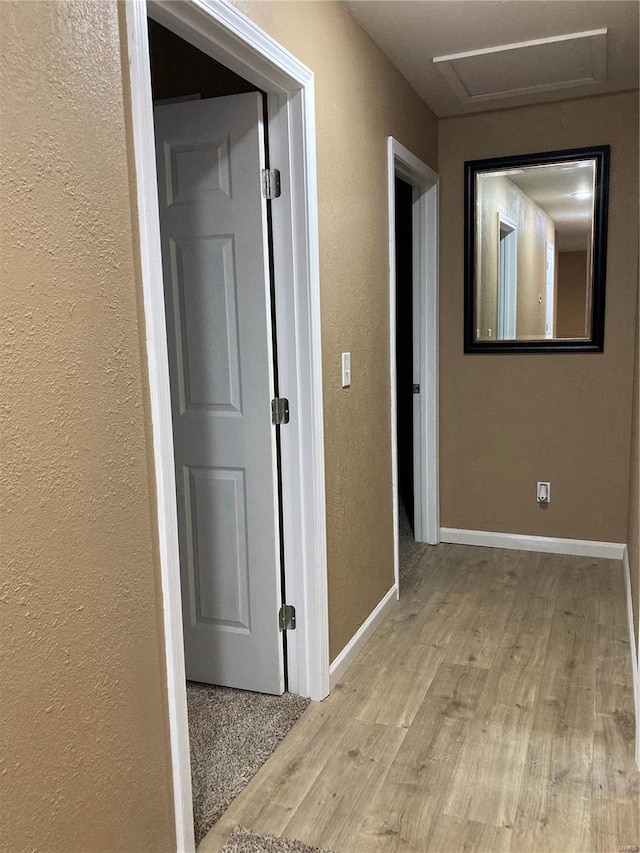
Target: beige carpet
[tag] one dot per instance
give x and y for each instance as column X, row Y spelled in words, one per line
column 410, row 550
column 231, row 735
column 244, row 841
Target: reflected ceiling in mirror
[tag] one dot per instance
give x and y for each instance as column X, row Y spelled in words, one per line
column 535, row 246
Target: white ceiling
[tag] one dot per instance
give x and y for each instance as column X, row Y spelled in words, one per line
column 412, row 33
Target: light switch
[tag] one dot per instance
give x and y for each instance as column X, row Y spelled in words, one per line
column 346, row 369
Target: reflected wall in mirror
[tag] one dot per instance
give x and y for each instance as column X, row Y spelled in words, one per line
column 535, row 251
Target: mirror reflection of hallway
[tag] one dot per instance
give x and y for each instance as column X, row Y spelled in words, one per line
column 535, row 251
column 410, row 550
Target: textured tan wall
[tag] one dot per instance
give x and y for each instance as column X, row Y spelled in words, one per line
column 510, row 420
column 534, row 228
column 85, row 756
column 633, row 530
column 571, row 295
column 360, row 100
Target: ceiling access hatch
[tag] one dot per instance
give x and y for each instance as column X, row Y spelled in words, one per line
column 528, row 67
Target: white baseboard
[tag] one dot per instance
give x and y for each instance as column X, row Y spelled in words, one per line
column 548, row 544
column 359, row 639
column 634, row 651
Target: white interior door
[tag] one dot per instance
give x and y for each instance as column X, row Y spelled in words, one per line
column 215, row 263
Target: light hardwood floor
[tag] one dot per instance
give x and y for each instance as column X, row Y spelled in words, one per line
column 492, row 711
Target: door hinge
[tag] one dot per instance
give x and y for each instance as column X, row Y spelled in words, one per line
column 287, row 618
column 416, row 389
column 280, row 410
column 271, row 183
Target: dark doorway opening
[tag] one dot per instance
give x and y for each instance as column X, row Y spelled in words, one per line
column 404, row 346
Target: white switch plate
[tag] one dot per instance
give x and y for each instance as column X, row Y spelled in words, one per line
column 346, row 369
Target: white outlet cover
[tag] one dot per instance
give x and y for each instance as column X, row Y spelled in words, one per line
column 543, row 492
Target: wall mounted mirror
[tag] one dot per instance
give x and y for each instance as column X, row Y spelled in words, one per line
column 535, row 252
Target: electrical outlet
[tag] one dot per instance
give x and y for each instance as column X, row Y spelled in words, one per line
column 543, row 492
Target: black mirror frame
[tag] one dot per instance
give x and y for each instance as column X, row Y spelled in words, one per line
column 595, row 342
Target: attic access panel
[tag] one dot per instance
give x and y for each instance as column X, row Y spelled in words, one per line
column 526, row 68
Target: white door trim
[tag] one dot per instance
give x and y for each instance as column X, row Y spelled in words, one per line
column 224, row 33
column 550, row 291
column 507, row 253
column 403, row 163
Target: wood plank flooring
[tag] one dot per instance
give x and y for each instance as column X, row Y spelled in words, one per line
column 492, row 711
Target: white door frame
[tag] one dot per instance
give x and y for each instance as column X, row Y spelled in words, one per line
column 507, row 249
column 550, row 293
column 424, row 180
column 221, row 31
